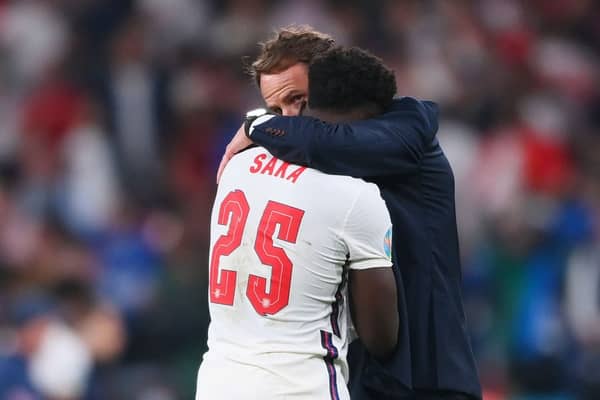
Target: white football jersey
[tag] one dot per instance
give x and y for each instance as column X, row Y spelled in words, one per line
column 282, row 237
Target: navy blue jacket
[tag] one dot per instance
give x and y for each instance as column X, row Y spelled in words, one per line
column 400, row 153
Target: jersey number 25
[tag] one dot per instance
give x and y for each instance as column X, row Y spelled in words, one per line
column 264, row 299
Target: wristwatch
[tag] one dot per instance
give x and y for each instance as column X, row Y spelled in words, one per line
column 251, row 117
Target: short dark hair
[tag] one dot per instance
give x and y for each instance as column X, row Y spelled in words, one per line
column 346, row 79
column 288, row 46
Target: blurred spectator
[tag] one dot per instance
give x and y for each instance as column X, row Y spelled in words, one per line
column 50, row 360
column 239, row 26
column 61, row 364
column 90, row 184
column 583, row 314
column 35, row 37
column 176, row 23
column 134, row 94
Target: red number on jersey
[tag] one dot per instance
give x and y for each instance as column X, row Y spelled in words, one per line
column 234, row 208
column 288, row 218
column 222, row 286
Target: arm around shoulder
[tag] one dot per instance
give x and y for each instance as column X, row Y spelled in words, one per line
column 390, row 144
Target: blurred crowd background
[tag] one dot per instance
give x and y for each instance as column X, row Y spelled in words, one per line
column 114, row 115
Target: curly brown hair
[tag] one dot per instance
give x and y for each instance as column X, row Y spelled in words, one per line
column 288, row 46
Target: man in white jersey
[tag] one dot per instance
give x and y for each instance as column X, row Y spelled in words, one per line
column 283, row 240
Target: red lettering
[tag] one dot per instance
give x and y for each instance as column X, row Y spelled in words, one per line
column 282, row 170
column 277, row 219
column 293, row 177
column 271, row 297
column 234, row 211
column 258, row 163
column 269, row 167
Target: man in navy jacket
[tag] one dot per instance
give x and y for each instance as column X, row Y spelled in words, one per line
column 399, row 152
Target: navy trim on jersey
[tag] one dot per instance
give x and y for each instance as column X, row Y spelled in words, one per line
column 335, row 307
column 332, row 354
column 335, row 314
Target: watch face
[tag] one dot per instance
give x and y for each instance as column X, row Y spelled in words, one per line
column 256, row 113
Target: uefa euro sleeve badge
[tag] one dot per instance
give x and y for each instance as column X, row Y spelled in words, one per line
column 387, row 243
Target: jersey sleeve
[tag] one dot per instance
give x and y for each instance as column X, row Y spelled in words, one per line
column 367, row 231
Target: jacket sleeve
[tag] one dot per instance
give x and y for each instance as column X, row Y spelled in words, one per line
column 390, row 144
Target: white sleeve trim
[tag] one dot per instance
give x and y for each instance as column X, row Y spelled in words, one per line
column 260, row 120
column 382, row 262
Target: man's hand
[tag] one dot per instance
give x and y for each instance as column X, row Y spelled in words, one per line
column 239, row 142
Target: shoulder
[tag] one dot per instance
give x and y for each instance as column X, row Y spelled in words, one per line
column 406, row 115
column 410, row 103
column 426, row 110
column 345, row 183
column 340, row 190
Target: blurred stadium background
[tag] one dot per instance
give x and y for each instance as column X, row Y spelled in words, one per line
column 114, row 114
